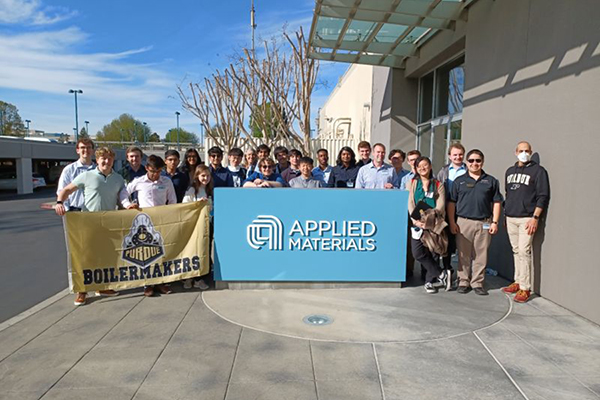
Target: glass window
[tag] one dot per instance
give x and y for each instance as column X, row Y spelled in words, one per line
column 450, row 81
column 426, row 106
column 424, row 140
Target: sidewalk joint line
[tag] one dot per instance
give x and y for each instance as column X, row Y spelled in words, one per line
column 312, row 364
column 90, row 349
column 553, row 362
column 34, row 309
column 237, row 348
column 39, row 334
column 516, row 385
column 510, row 308
column 378, row 371
column 160, row 353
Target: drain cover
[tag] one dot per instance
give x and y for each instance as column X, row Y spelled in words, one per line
column 317, row 320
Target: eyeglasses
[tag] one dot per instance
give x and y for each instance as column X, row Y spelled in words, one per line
column 267, row 167
column 474, row 160
column 214, row 155
column 191, row 157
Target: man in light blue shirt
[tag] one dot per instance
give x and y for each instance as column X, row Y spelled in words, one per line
column 396, row 158
column 85, row 149
column 411, row 157
column 377, row 174
column 322, row 171
column 455, row 168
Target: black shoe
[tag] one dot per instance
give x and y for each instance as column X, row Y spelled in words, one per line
column 480, row 291
column 463, row 289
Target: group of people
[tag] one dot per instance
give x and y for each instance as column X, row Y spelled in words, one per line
column 458, row 209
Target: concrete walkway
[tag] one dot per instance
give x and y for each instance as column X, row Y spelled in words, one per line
column 382, row 344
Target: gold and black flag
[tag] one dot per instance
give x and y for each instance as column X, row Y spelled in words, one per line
column 132, row 248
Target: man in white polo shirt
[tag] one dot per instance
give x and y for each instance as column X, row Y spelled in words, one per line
column 102, row 190
column 84, row 149
column 153, row 189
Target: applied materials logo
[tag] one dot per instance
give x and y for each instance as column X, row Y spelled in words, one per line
column 265, row 230
column 144, row 244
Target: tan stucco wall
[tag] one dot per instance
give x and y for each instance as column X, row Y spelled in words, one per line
column 532, row 72
column 347, row 103
column 394, row 111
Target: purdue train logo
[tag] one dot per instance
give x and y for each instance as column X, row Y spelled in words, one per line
column 265, row 229
column 144, row 244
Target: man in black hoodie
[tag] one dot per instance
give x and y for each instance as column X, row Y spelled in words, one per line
column 527, row 195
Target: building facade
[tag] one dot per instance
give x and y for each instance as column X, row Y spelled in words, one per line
column 489, row 74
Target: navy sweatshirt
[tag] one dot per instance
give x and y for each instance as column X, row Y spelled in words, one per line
column 527, row 187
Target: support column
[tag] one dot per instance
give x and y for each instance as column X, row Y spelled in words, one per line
column 24, row 172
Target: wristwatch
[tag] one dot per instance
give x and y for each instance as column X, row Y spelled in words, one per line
column 495, row 222
column 58, row 202
column 536, row 217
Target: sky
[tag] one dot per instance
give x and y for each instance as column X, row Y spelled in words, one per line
column 128, row 56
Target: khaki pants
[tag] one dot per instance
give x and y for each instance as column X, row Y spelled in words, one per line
column 521, row 246
column 472, row 243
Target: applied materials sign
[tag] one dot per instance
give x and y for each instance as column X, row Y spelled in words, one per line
column 310, row 235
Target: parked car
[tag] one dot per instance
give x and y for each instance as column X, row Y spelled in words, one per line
column 8, row 181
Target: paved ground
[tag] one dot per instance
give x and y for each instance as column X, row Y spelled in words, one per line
column 383, row 344
column 33, row 260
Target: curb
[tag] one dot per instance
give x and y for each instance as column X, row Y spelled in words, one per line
column 38, row 307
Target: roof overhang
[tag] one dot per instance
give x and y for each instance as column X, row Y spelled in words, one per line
column 378, row 32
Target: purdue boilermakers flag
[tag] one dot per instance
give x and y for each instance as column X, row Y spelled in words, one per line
column 132, row 248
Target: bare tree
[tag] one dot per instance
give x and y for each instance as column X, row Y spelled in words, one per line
column 274, row 90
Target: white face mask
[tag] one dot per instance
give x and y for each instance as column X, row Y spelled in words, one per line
column 524, row 157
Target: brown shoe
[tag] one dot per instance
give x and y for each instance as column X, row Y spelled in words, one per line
column 107, row 293
column 163, row 289
column 522, row 296
column 512, row 288
column 80, row 299
column 149, row 291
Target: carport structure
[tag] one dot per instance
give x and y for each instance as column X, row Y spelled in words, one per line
column 376, row 32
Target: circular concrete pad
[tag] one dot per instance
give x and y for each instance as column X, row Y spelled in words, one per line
column 360, row 315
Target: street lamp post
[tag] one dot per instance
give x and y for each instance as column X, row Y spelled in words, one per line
column 87, row 129
column 145, row 139
column 28, row 122
column 178, row 114
column 75, row 92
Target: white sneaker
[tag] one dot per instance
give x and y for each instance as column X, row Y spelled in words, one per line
column 441, row 280
column 429, row 288
column 187, row 284
column 448, row 280
column 200, row 284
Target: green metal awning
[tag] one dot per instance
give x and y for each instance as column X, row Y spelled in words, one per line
column 378, row 32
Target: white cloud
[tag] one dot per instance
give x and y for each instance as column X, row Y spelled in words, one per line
column 32, row 12
column 48, row 62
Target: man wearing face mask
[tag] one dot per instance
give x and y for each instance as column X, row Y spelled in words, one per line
column 527, row 195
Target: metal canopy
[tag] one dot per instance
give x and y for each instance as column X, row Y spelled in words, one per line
column 378, row 32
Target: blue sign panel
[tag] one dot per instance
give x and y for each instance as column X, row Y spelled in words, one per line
column 310, row 235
